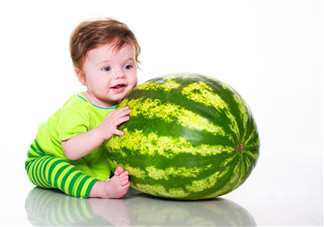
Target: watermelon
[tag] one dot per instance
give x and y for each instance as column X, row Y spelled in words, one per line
column 189, row 137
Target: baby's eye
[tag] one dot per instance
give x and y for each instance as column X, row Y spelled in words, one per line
column 128, row 66
column 106, row 69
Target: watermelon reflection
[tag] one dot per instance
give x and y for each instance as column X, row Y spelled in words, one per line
column 51, row 207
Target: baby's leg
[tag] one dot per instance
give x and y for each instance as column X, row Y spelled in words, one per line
column 116, row 187
column 54, row 172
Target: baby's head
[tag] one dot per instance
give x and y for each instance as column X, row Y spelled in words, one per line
column 92, row 34
column 105, row 58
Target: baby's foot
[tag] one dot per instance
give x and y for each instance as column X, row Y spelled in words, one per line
column 118, row 185
column 114, row 188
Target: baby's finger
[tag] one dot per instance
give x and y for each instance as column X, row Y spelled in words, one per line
column 124, row 108
column 121, row 112
column 124, row 111
column 121, row 120
column 118, row 132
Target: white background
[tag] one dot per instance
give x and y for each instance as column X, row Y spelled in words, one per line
column 271, row 52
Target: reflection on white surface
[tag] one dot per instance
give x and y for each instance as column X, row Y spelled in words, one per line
column 51, row 207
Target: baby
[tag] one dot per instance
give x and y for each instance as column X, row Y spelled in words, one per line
column 67, row 153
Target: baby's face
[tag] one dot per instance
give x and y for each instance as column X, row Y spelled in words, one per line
column 109, row 74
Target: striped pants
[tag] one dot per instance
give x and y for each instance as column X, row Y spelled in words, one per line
column 54, row 172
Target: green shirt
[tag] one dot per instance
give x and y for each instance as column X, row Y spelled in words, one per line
column 77, row 116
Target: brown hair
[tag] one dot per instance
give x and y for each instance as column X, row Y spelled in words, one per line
column 92, row 34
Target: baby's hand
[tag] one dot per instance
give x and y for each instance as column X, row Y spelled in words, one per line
column 109, row 125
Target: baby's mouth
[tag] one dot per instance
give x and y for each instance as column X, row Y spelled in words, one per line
column 119, row 87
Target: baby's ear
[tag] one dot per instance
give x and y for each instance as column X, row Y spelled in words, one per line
column 81, row 76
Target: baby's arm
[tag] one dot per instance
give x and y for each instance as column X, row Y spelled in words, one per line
column 82, row 144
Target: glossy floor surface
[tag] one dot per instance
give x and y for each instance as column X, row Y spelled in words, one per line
column 47, row 207
column 284, row 196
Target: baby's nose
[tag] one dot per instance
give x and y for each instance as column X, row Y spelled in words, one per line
column 120, row 74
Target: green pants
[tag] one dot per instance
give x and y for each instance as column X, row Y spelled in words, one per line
column 54, row 172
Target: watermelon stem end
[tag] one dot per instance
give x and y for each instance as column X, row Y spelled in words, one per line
column 240, row 148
